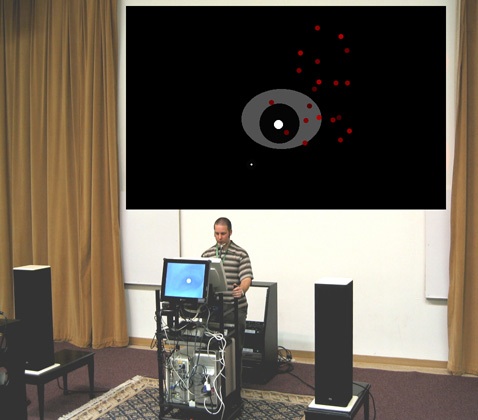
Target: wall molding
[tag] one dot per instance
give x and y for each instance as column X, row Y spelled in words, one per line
column 309, row 357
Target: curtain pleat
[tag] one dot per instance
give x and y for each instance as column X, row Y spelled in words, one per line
column 60, row 168
column 463, row 290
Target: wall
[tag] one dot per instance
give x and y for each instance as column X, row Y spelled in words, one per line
column 383, row 251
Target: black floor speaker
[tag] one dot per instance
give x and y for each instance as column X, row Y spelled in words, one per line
column 13, row 397
column 33, row 306
column 333, row 341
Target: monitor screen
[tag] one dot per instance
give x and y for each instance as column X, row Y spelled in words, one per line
column 185, row 279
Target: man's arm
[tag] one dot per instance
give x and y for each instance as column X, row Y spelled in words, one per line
column 241, row 289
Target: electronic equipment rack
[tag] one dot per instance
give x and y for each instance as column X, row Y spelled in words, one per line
column 196, row 363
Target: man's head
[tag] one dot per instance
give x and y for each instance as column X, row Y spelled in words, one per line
column 222, row 230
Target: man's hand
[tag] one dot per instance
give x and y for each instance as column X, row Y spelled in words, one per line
column 237, row 292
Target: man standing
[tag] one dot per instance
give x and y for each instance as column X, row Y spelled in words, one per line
column 238, row 269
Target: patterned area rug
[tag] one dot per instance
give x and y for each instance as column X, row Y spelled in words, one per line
column 138, row 399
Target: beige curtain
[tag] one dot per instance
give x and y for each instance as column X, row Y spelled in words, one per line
column 463, row 293
column 59, row 188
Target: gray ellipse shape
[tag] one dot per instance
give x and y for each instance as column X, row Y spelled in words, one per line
column 298, row 101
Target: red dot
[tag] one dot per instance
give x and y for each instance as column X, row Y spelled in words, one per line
column 340, row 139
column 341, row 36
column 318, row 81
column 339, row 117
column 314, row 88
column 299, row 70
column 309, row 106
column 318, row 117
column 349, row 131
column 271, row 102
column 286, row 132
column 306, row 120
column 304, row 142
column 332, row 120
column 317, row 61
column 300, row 52
column 336, row 82
column 347, row 83
column 346, row 50
column 317, row 27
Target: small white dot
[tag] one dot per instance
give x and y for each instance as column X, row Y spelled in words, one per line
column 278, row 124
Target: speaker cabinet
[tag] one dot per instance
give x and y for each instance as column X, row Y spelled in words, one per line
column 333, row 341
column 13, row 397
column 33, row 306
column 259, row 355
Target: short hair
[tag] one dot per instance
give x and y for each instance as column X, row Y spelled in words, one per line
column 224, row 221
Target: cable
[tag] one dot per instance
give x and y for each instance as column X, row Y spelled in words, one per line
column 284, row 361
column 301, row 380
column 216, row 385
column 195, row 367
column 178, row 367
column 285, row 364
column 154, row 342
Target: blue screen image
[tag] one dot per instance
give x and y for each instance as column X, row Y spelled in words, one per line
column 185, row 280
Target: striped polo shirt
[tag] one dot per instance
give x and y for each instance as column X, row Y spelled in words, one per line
column 237, row 265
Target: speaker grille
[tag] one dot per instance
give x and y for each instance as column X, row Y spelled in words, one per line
column 333, row 343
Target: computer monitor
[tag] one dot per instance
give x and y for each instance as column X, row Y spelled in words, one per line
column 217, row 275
column 185, row 280
column 190, row 279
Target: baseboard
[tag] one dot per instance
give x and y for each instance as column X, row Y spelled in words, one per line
column 309, row 356
column 378, row 360
column 143, row 342
column 397, row 361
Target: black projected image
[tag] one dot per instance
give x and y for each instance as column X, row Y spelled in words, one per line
column 286, row 107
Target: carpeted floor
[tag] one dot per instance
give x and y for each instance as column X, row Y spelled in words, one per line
column 138, row 398
column 394, row 395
